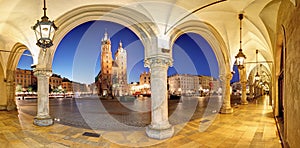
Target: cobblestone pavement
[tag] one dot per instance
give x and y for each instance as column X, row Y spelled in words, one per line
column 91, row 113
column 249, row 125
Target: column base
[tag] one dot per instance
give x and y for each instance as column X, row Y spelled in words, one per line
column 159, row 133
column 226, row 110
column 43, row 121
column 244, row 102
column 3, row 108
column 11, row 107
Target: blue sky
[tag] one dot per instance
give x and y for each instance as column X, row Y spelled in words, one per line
column 78, row 54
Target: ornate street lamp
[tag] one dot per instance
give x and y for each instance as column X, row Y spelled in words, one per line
column 240, row 57
column 44, row 31
column 256, row 77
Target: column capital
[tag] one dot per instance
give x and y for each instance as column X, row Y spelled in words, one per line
column 228, row 76
column 244, row 82
column 8, row 82
column 158, row 61
column 42, row 72
column 224, row 77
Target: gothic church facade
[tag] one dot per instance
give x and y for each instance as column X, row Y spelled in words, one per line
column 112, row 79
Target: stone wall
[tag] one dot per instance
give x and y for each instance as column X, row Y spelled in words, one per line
column 289, row 18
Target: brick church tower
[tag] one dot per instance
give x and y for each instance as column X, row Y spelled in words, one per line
column 105, row 76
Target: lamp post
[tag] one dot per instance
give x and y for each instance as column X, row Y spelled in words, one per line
column 256, row 77
column 44, row 31
column 240, row 57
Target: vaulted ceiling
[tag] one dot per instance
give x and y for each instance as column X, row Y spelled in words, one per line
column 259, row 23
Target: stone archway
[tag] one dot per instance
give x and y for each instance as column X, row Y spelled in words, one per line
column 144, row 28
column 9, row 79
column 265, row 78
column 211, row 35
column 137, row 22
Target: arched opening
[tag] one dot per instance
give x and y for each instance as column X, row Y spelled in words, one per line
column 193, row 55
column 281, row 86
column 216, row 42
column 280, row 89
column 24, row 79
column 214, row 39
column 194, row 78
column 13, row 60
column 76, row 64
column 219, row 50
column 258, row 88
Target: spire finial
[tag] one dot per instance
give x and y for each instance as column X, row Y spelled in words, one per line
column 120, row 44
column 105, row 38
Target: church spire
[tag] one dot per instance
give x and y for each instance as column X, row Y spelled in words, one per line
column 105, row 38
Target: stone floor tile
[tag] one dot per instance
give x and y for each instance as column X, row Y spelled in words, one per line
column 248, row 126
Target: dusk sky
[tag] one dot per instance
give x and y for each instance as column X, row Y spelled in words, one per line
column 78, row 54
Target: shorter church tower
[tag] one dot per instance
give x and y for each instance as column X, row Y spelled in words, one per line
column 121, row 64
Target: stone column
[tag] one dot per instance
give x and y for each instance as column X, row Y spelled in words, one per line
column 11, row 103
column 251, row 88
column 243, row 83
column 10, row 90
column 160, row 128
column 226, row 106
column 43, row 118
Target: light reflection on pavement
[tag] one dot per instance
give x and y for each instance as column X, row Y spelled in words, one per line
column 90, row 112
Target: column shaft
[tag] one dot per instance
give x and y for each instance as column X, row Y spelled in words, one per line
column 11, row 103
column 251, row 88
column 226, row 106
column 160, row 127
column 43, row 118
column 243, row 80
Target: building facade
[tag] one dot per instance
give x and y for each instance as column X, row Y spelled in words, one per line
column 145, row 78
column 74, row 87
column 183, row 84
column 24, row 79
column 206, row 82
column 55, row 81
column 112, row 79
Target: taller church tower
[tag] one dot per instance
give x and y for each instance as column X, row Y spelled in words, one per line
column 105, row 77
